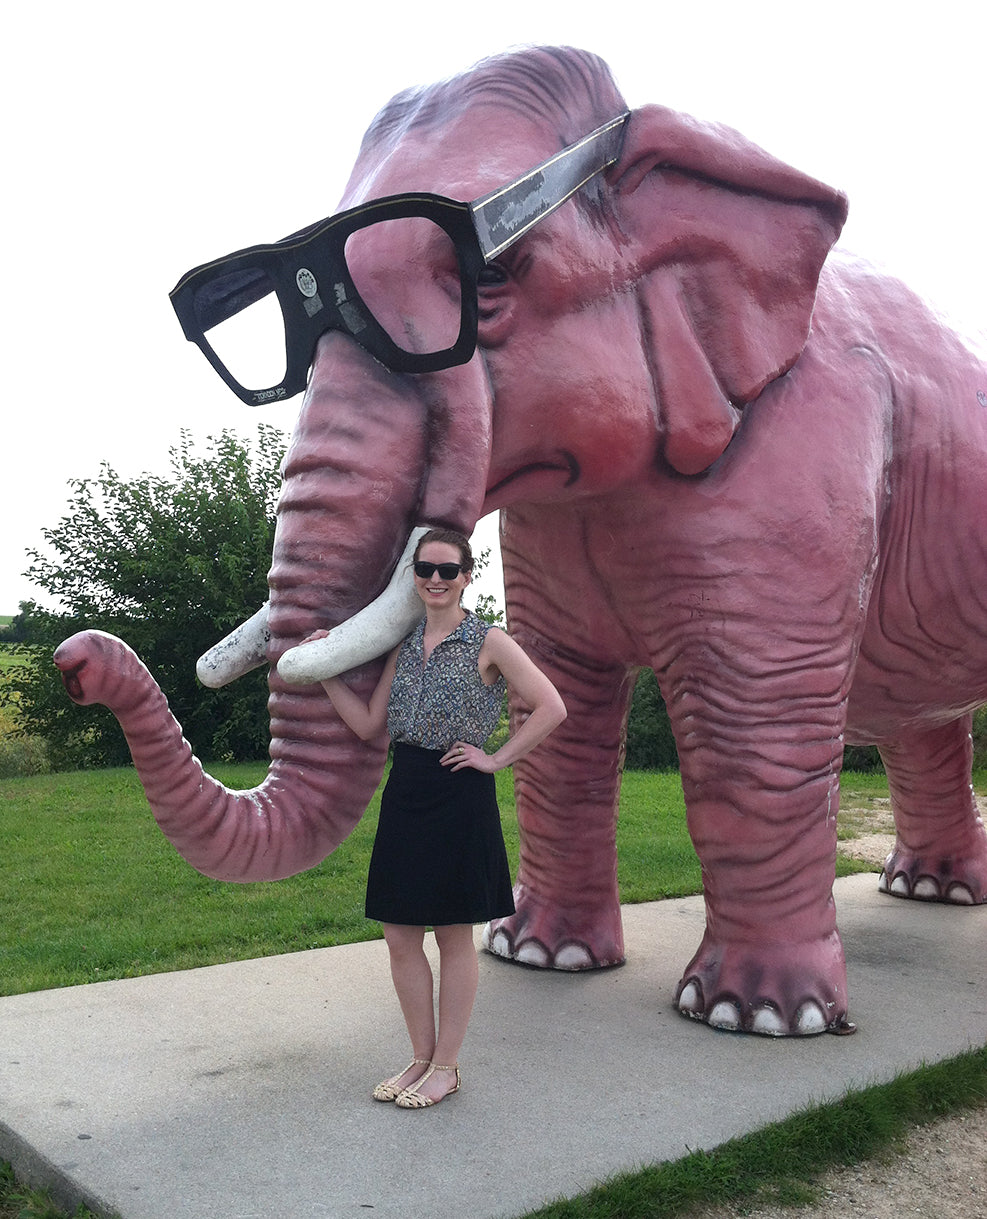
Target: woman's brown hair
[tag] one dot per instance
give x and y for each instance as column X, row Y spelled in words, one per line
column 451, row 537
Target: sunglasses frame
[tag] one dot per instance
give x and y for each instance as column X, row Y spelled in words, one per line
column 436, row 567
column 316, row 292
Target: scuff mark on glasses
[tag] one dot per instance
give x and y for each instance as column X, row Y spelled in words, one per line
column 522, row 211
column 353, row 317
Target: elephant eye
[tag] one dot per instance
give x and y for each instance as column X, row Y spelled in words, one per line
column 492, row 276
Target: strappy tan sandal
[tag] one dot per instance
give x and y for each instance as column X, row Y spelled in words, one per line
column 390, row 1089
column 411, row 1098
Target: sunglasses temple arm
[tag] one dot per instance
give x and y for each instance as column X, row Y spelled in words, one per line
column 507, row 213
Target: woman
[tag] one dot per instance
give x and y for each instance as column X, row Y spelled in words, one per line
column 439, row 858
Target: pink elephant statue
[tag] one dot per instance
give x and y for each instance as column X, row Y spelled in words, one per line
column 719, row 449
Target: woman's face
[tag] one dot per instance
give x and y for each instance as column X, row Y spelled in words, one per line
column 433, row 589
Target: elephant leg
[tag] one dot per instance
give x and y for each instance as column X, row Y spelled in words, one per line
column 756, row 672
column 941, row 848
column 567, row 903
column 771, row 960
column 760, row 763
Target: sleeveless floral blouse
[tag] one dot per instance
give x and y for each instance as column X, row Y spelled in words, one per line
column 435, row 703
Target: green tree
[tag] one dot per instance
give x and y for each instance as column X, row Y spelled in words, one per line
column 170, row 564
column 18, row 629
column 486, row 604
column 650, row 742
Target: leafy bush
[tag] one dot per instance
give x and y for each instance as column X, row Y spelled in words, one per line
column 650, row 742
column 22, row 756
column 864, row 759
column 171, row 565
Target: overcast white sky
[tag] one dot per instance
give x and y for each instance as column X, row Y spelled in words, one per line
column 143, row 139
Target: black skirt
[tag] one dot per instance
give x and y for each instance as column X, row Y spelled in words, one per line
column 439, row 854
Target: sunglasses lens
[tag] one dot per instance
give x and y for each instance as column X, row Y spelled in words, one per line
column 447, row 571
column 240, row 316
column 407, row 274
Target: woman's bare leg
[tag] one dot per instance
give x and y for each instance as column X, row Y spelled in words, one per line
column 459, row 974
column 412, row 977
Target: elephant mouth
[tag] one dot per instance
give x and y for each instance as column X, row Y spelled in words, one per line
column 525, row 479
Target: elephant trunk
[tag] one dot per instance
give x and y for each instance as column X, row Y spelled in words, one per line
column 298, row 815
column 353, row 486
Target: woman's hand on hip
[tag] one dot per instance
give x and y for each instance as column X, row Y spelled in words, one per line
column 461, row 756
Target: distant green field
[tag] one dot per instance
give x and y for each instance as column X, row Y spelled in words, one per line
column 7, row 658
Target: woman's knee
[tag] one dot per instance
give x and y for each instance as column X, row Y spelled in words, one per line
column 455, row 937
column 404, row 941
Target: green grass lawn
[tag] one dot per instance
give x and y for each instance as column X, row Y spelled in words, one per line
column 93, row 891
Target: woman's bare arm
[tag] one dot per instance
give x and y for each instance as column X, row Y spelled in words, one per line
column 530, row 684
column 367, row 720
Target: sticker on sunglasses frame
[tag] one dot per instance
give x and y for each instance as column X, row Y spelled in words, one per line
column 306, row 282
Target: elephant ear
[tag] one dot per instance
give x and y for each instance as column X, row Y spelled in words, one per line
column 726, row 244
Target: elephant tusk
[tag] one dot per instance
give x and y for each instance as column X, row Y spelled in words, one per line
column 241, row 651
column 372, row 632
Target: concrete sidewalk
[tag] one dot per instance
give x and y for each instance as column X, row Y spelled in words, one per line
column 243, row 1090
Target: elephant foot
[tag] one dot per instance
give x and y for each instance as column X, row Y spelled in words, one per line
column 542, row 934
column 959, row 880
column 775, row 990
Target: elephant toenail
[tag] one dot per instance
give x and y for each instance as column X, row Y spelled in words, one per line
column 959, row 894
column 926, row 889
column 532, row 952
column 499, row 944
column 574, row 956
column 691, row 1000
column 768, row 1022
column 725, row 1016
column 809, row 1020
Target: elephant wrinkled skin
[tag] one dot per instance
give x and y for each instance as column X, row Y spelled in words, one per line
column 719, row 449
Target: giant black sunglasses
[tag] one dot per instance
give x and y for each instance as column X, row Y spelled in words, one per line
column 257, row 314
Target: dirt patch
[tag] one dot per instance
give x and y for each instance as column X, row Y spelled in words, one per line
column 865, row 827
column 870, row 848
column 942, row 1170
